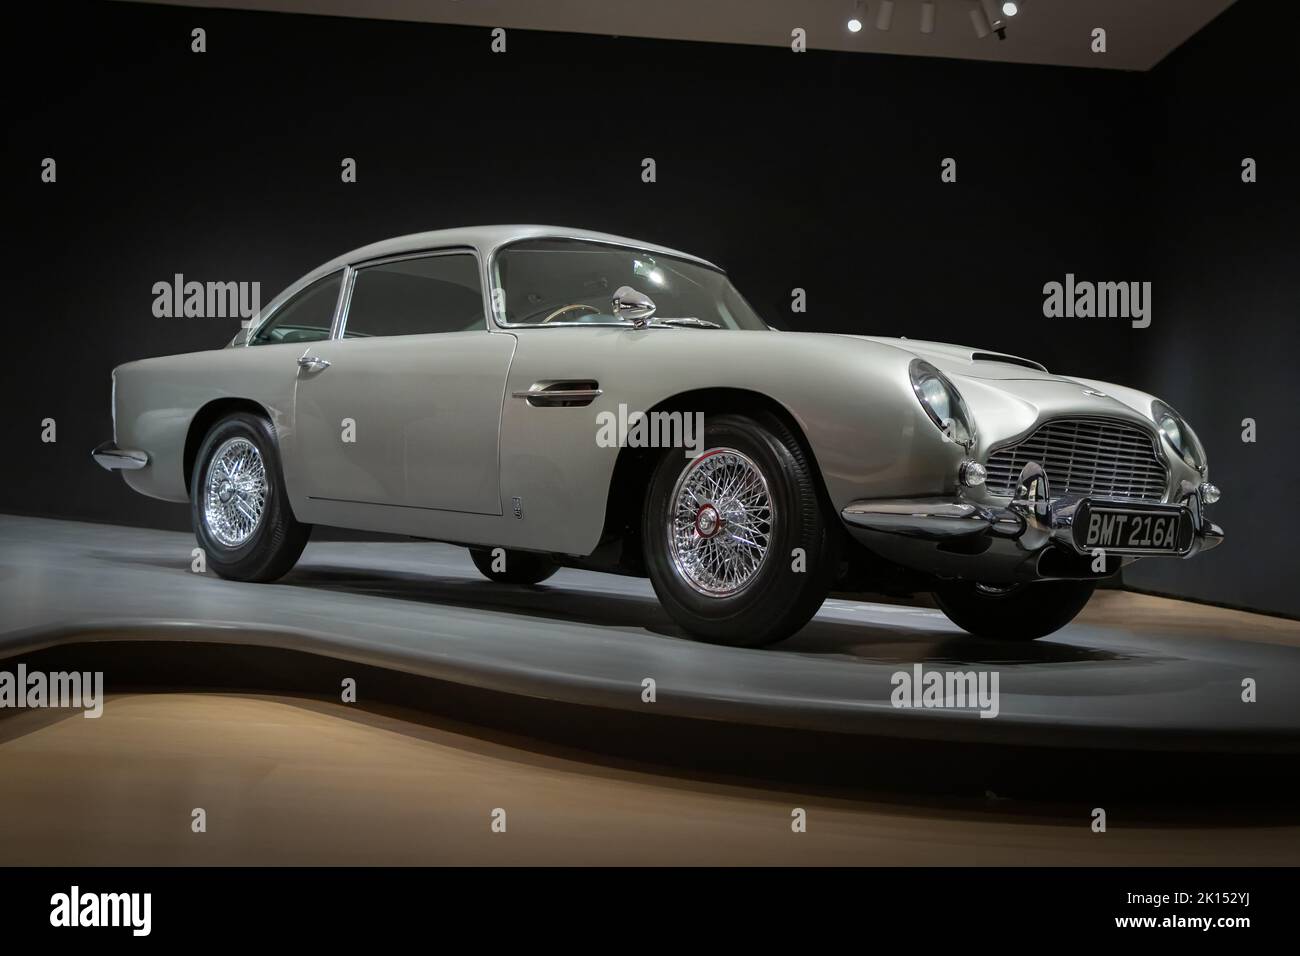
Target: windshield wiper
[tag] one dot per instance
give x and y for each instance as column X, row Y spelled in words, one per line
column 687, row 322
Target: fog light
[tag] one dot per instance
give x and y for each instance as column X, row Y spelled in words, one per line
column 1209, row 493
column 972, row 473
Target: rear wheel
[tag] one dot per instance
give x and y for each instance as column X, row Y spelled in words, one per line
column 238, row 504
column 1016, row 612
column 735, row 541
column 512, row 567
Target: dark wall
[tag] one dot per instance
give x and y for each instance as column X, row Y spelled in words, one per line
column 815, row 170
column 1227, row 270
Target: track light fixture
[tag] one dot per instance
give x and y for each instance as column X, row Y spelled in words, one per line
column 990, row 16
column 885, row 15
column 927, row 16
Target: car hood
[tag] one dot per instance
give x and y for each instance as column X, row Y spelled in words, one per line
column 968, row 361
column 1008, row 394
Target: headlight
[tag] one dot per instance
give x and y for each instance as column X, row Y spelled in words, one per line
column 942, row 402
column 1179, row 434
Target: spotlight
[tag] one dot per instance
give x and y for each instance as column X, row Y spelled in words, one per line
column 980, row 22
column 855, row 21
column 927, row 16
column 1010, row 8
column 885, row 16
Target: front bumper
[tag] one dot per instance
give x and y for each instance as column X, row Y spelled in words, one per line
column 108, row 456
column 1032, row 537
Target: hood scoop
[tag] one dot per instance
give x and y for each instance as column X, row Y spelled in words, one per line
column 1007, row 360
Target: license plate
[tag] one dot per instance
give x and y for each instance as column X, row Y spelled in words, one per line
column 1131, row 529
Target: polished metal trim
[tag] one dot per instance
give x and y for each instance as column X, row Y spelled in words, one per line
column 313, row 363
column 724, row 555
column 548, row 395
column 1033, row 522
column 341, row 306
column 1033, row 503
column 633, row 305
column 111, row 458
column 1120, row 462
column 930, row 518
column 235, row 490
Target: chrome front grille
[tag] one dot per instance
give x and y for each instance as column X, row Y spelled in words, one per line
column 1098, row 457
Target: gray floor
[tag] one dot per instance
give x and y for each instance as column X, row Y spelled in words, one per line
column 592, row 638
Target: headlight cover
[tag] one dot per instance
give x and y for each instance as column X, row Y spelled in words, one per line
column 942, row 402
column 1179, row 435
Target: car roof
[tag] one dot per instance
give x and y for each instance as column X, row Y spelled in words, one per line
column 483, row 239
column 486, row 239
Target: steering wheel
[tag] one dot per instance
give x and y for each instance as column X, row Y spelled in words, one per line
column 568, row 308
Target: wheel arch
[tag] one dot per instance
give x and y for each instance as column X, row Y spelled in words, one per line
column 207, row 416
column 634, row 466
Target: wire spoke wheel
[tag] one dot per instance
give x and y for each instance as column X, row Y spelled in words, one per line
column 720, row 522
column 235, row 493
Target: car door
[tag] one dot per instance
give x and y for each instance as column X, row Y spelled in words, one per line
column 403, row 408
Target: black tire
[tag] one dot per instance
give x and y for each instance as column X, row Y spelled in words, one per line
column 1025, row 612
column 521, row 567
column 275, row 544
column 778, row 599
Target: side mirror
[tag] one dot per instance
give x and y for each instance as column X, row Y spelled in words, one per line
column 636, row 307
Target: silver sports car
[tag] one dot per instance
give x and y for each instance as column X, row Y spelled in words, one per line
column 552, row 397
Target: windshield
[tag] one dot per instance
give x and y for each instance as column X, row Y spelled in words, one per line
column 570, row 281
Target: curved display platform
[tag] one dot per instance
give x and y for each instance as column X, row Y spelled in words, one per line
column 590, row 639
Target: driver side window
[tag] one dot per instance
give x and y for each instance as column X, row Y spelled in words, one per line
column 416, row 295
column 307, row 317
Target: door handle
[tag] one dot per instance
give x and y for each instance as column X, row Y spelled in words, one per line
column 561, row 394
column 313, row 364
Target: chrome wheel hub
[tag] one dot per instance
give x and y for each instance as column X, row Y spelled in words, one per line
column 236, row 492
column 720, row 522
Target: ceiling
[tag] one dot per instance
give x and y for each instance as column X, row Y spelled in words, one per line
column 1139, row 33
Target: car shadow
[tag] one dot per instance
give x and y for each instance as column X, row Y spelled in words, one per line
column 905, row 639
column 865, row 641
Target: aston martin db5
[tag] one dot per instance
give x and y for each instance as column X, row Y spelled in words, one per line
column 463, row 385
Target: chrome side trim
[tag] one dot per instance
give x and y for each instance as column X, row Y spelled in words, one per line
column 111, row 458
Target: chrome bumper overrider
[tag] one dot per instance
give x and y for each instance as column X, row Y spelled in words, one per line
column 1033, row 519
column 112, row 458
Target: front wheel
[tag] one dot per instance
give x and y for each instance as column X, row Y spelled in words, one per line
column 238, row 503
column 1016, row 612
column 735, row 541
